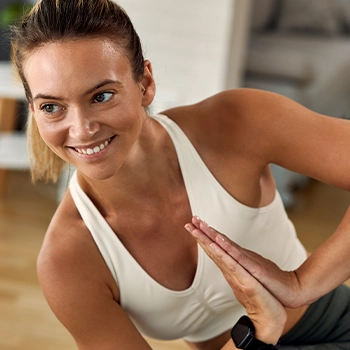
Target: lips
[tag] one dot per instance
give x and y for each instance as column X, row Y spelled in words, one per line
column 95, row 149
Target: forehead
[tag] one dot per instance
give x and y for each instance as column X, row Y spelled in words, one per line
column 75, row 65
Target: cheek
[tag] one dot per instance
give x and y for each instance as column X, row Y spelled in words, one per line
column 124, row 118
column 132, row 125
column 51, row 133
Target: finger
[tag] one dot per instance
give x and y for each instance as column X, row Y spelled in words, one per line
column 205, row 228
column 198, row 234
column 200, row 229
column 248, row 291
column 222, row 240
column 255, row 264
column 237, row 252
column 249, row 260
column 229, row 266
column 221, row 258
column 202, row 239
column 283, row 285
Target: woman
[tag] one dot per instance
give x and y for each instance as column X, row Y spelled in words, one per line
column 116, row 261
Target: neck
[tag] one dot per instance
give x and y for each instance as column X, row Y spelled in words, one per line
column 150, row 171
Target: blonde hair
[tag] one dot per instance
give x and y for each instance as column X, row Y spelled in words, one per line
column 45, row 165
column 59, row 20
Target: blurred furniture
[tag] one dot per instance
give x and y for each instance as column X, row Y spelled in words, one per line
column 13, row 150
column 301, row 49
column 13, row 143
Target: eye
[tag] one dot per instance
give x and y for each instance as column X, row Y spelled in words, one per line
column 49, row 108
column 102, row 97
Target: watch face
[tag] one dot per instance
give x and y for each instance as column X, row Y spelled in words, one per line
column 242, row 332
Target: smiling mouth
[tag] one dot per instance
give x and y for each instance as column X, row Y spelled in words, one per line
column 96, row 149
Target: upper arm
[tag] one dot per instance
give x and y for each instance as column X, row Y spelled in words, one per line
column 76, row 284
column 270, row 128
column 306, row 142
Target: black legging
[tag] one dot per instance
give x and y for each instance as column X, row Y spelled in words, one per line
column 325, row 325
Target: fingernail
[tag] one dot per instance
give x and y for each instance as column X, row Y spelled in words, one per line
column 221, row 237
column 188, row 228
column 192, row 232
column 205, row 223
column 200, row 220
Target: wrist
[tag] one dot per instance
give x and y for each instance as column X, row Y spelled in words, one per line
column 270, row 328
column 268, row 335
column 244, row 336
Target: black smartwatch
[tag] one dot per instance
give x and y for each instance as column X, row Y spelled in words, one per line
column 243, row 333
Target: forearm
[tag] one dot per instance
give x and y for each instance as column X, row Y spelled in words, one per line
column 328, row 266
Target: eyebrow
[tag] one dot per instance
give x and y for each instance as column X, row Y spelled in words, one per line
column 97, row 86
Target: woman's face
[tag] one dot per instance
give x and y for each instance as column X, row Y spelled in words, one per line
column 88, row 108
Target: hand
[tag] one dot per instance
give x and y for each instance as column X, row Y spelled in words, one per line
column 266, row 312
column 284, row 285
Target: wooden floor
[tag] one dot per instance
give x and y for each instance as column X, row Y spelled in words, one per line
column 26, row 322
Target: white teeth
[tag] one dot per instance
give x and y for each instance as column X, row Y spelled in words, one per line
column 96, row 149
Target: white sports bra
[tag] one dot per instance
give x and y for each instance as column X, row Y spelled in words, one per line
column 208, row 307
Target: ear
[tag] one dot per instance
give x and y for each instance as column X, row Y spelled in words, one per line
column 148, row 85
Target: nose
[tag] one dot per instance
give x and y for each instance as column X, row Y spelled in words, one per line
column 82, row 127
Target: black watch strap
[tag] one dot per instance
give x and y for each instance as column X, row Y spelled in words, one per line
column 243, row 336
column 257, row 344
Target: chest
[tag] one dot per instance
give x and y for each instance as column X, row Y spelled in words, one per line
column 153, row 233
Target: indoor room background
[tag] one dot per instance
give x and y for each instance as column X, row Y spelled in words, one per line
column 297, row 48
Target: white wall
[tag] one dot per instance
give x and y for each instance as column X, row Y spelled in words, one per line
column 188, row 43
column 240, row 35
column 196, row 46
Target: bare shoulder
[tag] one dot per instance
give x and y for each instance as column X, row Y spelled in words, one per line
column 79, row 287
column 233, row 105
column 266, row 127
column 231, row 119
column 66, row 240
column 69, row 257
